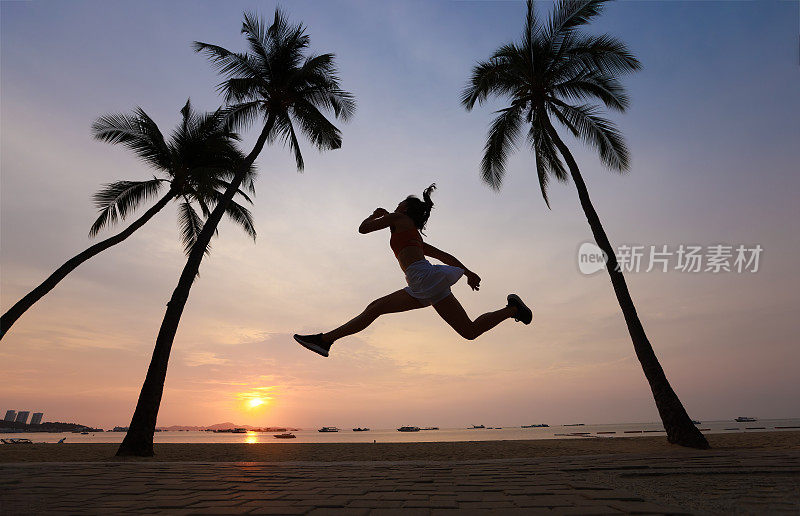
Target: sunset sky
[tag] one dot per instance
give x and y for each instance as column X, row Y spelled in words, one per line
column 714, row 133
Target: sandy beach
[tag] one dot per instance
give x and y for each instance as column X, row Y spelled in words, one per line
column 442, row 451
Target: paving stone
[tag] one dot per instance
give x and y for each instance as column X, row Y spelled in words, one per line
column 585, row 510
column 645, row 508
column 281, row 510
column 377, row 504
column 350, row 511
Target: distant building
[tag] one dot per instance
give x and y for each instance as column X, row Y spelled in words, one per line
column 37, row 418
column 10, row 415
column 22, row 416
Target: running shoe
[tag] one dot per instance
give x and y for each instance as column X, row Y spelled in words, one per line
column 314, row 343
column 524, row 314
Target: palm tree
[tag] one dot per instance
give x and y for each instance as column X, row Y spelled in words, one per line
column 276, row 82
column 545, row 76
column 196, row 165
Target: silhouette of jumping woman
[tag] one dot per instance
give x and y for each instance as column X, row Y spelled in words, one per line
column 428, row 284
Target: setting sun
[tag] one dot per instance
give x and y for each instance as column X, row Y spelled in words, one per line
column 255, row 402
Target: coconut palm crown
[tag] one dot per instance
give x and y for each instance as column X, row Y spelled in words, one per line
column 553, row 72
column 197, row 163
column 277, row 82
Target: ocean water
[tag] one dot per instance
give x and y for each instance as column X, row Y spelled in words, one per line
column 346, row 435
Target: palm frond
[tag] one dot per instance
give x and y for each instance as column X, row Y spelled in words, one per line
column 227, row 175
column 321, row 132
column 230, row 64
column 548, row 162
column 240, row 89
column 532, row 29
column 325, row 94
column 492, row 77
column 137, row 132
column 604, row 53
column 596, row 131
column 116, row 200
column 500, row 140
column 593, row 84
column 568, row 15
column 240, row 116
column 190, row 225
column 317, row 81
column 256, row 33
column 542, row 174
column 224, row 185
column 283, row 125
column 242, row 217
column 546, row 147
column 286, row 41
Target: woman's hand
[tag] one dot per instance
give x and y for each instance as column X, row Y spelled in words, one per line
column 379, row 212
column 473, row 280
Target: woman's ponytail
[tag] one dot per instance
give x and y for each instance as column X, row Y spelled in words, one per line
column 419, row 211
column 426, row 198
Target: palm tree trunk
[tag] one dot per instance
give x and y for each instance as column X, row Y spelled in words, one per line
column 679, row 427
column 139, row 438
column 47, row 285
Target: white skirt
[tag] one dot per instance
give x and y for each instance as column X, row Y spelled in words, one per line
column 431, row 283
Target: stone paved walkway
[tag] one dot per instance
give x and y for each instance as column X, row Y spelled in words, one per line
column 716, row 482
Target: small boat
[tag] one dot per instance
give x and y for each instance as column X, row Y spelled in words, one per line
column 408, row 429
column 84, row 433
column 742, row 419
column 287, row 435
column 359, row 429
column 696, row 422
column 328, row 429
column 576, row 424
column 536, row 426
column 477, row 426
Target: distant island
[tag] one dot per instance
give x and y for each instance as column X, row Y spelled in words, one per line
column 58, row 427
column 48, row 426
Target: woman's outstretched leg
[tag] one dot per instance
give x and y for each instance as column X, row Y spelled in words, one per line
column 400, row 301
column 453, row 313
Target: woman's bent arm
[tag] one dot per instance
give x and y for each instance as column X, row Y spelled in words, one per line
column 473, row 280
column 379, row 219
column 442, row 256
